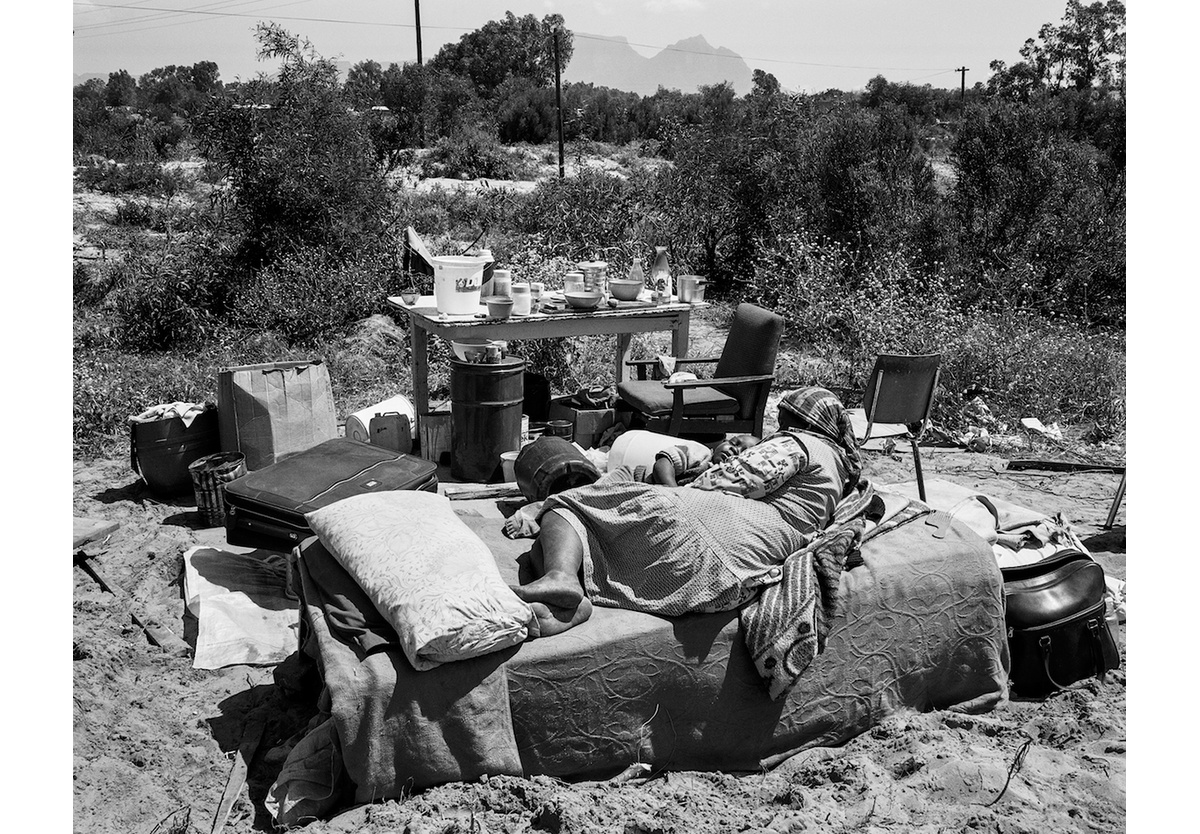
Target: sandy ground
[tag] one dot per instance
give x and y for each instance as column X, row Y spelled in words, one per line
column 154, row 740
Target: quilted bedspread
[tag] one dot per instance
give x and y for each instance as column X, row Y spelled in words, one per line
column 921, row 627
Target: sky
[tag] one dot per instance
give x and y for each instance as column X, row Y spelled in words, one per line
column 809, row 45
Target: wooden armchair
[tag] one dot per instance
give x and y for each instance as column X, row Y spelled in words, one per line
column 734, row 400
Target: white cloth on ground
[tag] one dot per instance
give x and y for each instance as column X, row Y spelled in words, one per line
column 243, row 608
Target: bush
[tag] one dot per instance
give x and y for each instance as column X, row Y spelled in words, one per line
column 302, row 174
column 130, row 178
column 472, row 153
column 306, row 294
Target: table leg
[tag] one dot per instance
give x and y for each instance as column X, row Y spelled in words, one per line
column 624, row 354
column 420, row 368
column 679, row 336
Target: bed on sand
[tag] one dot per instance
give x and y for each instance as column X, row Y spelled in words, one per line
column 921, row 627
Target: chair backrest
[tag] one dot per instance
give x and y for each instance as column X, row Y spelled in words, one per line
column 900, row 388
column 750, row 349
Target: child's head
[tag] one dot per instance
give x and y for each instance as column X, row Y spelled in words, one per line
column 732, row 447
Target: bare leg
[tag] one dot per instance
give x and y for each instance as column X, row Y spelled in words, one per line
column 557, row 555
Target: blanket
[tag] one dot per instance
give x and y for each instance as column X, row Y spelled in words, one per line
column 919, row 625
column 787, row 623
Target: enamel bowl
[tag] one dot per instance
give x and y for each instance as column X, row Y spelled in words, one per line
column 586, row 300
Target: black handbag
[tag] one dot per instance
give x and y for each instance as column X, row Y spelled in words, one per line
column 1057, row 633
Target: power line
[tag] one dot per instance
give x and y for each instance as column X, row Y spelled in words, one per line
column 199, row 11
column 86, row 27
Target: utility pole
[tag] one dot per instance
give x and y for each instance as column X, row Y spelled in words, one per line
column 558, row 105
column 424, row 81
column 417, row 4
column 962, row 96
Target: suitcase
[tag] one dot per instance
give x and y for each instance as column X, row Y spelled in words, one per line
column 266, row 508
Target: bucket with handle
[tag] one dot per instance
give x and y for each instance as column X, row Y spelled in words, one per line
column 457, row 282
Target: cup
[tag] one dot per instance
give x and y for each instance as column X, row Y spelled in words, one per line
column 573, row 282
column 522, row 299
column 508, row 463
column 409, row 298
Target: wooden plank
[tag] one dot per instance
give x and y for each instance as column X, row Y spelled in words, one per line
column 241, row 768
column 158, row 635
column 1063, row 466
column 84, row 530
column 458, row 492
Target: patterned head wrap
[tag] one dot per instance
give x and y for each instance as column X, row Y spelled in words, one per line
column 818, row 411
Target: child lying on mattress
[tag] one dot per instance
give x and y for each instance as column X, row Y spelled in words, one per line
column 707, row 546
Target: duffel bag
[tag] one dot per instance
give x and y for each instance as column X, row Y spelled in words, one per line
column 1057, row 633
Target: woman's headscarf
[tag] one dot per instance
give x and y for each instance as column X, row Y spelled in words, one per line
column 820, row 412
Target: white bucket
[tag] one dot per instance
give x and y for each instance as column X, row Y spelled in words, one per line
column 358, row 424
column 457, row 280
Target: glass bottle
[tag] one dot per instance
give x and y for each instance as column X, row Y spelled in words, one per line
column 660, row 273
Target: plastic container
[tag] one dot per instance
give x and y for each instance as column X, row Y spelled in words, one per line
column 358, row 424
column 552, row 464
column 522, row 300
column 161, row 450
column 457, row 283
column 502, row 283
column 209, row 476
column 485, row 408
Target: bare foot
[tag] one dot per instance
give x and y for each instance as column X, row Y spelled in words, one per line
column 549, row 620
column 556, row 588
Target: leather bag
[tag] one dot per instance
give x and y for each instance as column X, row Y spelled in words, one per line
column 1057, row 632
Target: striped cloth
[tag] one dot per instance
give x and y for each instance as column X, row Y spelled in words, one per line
column 786, row 625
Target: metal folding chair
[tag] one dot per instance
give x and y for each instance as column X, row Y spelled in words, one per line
column 900, row 390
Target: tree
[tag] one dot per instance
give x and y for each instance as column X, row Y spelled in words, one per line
column 121, row 90
column 521, row 47
column 1087, row 50
column 364, row 85
column 303, row 173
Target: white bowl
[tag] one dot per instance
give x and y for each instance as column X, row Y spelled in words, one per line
column 624, row 289
column 471, row 350
column 586, row 300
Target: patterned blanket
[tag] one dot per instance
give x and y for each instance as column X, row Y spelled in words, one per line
column 785, row 626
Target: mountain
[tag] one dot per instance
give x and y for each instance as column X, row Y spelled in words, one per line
column 84, row 77
column 685, row 65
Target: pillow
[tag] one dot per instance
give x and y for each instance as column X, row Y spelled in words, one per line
column 426, row 571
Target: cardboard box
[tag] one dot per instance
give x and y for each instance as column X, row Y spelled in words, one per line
column 589, row 424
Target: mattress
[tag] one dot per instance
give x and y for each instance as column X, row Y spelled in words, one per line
column 921, row 627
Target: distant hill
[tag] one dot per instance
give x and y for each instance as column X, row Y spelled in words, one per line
column 685, row 65
column 84, row 77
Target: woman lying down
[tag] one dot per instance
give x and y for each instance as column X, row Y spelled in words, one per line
column 703, row 547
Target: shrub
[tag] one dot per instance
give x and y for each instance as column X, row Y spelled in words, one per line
column 472, row 153
column 307, row 293
column 303, row 173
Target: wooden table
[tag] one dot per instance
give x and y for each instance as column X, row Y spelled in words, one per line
column 622, row 322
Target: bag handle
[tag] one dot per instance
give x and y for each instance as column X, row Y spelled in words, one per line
column 1094, row 645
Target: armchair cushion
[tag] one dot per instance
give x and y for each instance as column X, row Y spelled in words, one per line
column 650, row 397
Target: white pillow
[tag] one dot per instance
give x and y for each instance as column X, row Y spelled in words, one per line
column 638, row 447
column 426, row 571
